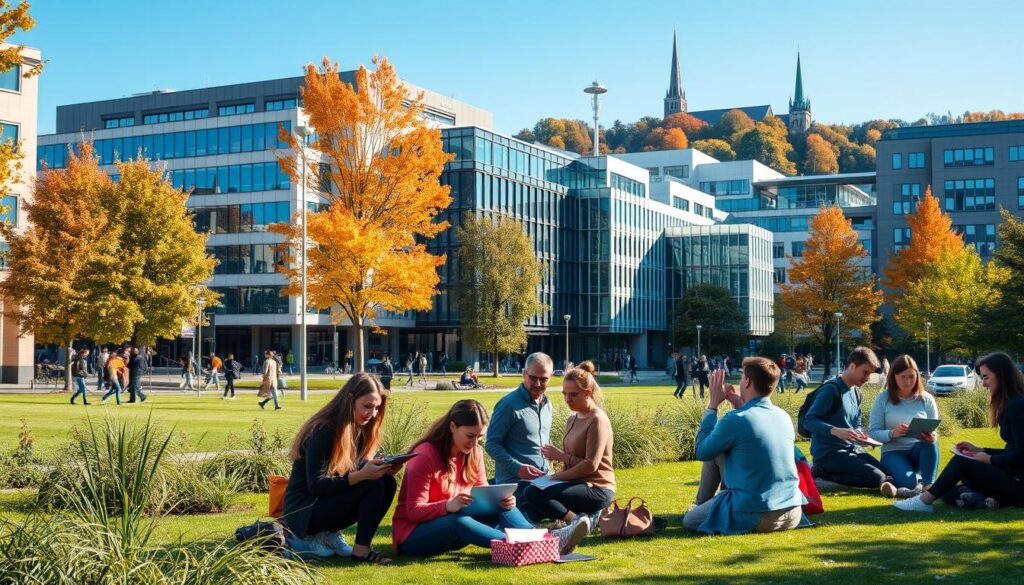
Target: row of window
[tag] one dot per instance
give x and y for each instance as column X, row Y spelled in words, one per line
column 173, row 145
column 680, row 203
column 677, row 171
column 908, row 199
column 236, row 109
column 179, row 116
column 915, row 160
column 248, row 258
column 122, row 122
column 231, row 179
column 245, row 218
column 275, row 105
column 981, row 236
column 628, row 185
column 738, row 187
column 970, row 195
column 237, row 300
column 966, row 157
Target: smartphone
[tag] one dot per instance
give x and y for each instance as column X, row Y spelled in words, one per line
column 392, row 459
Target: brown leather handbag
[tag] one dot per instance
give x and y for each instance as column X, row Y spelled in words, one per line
column 628, row 521
column 278, row 487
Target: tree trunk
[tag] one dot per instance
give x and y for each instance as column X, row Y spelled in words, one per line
column 67, row 367
column 359, row 356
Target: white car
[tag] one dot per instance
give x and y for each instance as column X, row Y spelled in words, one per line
column 951, row 378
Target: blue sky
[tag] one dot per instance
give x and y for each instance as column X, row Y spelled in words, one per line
column 526, row 59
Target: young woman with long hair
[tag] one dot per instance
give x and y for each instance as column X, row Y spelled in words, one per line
column 336, row 481
column 904, row 456
column 429, row 518
column 587, row 479
column 979, row 477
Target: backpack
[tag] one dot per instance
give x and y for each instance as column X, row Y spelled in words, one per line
column 801, row 416
column 272, row 536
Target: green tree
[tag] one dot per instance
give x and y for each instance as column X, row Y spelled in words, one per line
column 498, row 280
column 1004, row 320
column 723, row 324
column 715, row 147
column 769, row 146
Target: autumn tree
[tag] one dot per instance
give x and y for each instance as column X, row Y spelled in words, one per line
column 384, row 162
column 820, row 158
column 827, row 278
column 64, row 279
column 931, row 237
column 768, row 144
column 690, row 125
column 732, row 126
column 575, row 135
column 1004, row 321
column 497, row 290
column 662, row 139
column 716, row 148
column 13, row 19
column 723, row 324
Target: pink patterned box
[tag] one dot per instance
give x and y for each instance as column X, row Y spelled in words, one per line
column 525, row 553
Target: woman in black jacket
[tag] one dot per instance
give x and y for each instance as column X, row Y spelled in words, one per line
column 979, row 477
column 336, row 481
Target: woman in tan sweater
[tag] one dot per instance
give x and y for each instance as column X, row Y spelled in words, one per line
column 586, row 484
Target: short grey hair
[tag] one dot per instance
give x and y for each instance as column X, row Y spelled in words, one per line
column 540, row 358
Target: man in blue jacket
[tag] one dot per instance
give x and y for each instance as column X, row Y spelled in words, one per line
column 762, row 489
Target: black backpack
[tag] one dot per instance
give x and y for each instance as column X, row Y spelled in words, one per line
column 801, row 416
column 271, row 536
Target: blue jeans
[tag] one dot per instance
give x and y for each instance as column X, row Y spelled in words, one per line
column 904, row 466
column 80, row 389
column 115, row 389
column 454, row 531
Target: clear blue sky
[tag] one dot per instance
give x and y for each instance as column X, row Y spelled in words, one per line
column 529, row 59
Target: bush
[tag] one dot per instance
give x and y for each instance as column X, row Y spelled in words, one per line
column 249, row 469
column 22, row 469
column 444, row 385
column 404, row 423
column 185, row 488
column 969, row 408
column 681, row 421
column 639, row 439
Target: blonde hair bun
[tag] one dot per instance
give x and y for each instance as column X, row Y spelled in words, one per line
column 587, row 366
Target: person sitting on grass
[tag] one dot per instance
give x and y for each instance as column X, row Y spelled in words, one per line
column 985, row 477
column 469, row 378
column 587, row 480
column 903, row 456
column 756, row 443
column 429, row 518
column 833, row 419
column 335, row 480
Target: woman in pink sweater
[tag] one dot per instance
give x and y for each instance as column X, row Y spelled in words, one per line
column 435, row 490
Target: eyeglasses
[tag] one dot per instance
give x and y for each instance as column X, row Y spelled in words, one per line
column 541, row 379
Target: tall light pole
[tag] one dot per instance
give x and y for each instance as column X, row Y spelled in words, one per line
column 699, row 327
column 928, row 347
column 839, row 316
column 199, row 331
column 303, row 132
column 567, row 317
column 595, row 89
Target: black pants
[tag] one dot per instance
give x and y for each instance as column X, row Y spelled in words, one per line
column 851, row 469
column 680, row 387
column 570, row 496
column 979, row 477
column 386, row 382
column 364, row 505
column 229, row 385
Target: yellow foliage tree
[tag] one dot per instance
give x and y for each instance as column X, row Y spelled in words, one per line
column 827, row 279
column 931, row 236
column 383, row 162
column 12, row 19
column 820, row 157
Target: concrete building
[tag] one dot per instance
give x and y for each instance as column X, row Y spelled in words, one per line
column 19, row 104
column 973, row 169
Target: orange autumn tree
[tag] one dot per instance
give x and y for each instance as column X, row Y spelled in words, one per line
column 931, row 237
column 381, row 163
column 827, row 279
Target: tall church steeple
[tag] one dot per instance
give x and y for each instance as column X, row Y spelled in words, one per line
column 799, row 106
column 675, row 97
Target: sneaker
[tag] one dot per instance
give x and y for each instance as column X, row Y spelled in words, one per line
column 595, row 521
column 913, row 504
column 308, row 547
column 888, row 489
column 572, row 534
column 904, row 493
column 974, row 501
column 335, row 542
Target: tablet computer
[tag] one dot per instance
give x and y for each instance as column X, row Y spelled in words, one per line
column 487, row 497
column 922, row 425
column 392, row 459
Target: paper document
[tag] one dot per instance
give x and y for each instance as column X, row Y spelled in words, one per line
column 869, row 442
column 545, row 481
column 514, row 535
column 966, row 454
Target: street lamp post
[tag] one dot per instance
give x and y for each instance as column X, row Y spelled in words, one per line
column 699, row 327
column 199, row 331
column 303, row 132
column 928, row 347
column 839, row 316
column 567, row 317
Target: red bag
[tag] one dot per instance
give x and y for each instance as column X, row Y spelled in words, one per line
column 525, row 553
column 808, row 488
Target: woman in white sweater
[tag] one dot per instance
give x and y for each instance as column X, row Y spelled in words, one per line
column 904, row 456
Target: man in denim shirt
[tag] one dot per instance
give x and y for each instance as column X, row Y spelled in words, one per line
column 520, row 425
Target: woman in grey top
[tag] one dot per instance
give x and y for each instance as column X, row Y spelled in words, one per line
column 903, row 456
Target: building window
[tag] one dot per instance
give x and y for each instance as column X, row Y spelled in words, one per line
column 11, row 79
column 970, row 195
column 234, row 109
column 1020, row 192
column 8, row 133
column 900, row 238
column 122, row 122
column 908, row 199
column 981, row 236
column 798, row 249
column 679, row 172
column 244, row 218
column 654, row 171
column 866, row 244
column 680, row 203
column 1017, row 153
column 915, row 160
column 862, row 223
column 438, row 117
column 780, row 275
column 274, row 105
column 162, row 117
column 897, row 161
column 737, row 187
column 968, row 157
column 778, row 250
column 9, row 211
column 251, row 300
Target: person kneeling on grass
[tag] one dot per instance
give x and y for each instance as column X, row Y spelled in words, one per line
column 755, row 442
column 587, row 481
column 335, row 480
column 429, row 518
column 984, row 477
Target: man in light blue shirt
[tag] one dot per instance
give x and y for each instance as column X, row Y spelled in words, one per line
column 755, row 440
column 520, row 425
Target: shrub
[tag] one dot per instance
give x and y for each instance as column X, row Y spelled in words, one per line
column 969, row 408
column 248, row 469
column 22, row 469
column 681, row 421
column 444, row 385
column 404, row 424
column 185, row 488
column 639, row 439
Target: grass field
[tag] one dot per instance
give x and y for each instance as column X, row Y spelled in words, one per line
column 861, row 537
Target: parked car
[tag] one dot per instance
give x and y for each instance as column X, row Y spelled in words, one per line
column 947, row 379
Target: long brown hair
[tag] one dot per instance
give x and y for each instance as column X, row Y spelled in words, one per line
column 463, row 413
column 900, row 365
column 1011, row 383
column 338, row 415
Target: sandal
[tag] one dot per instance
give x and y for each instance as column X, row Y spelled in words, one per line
column 372, row 557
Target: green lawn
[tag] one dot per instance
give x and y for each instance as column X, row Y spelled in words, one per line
column 860, row 538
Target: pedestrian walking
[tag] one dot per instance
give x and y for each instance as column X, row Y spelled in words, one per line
column 442, row 363
column 268, row 387
column 387, row 372
column 232, row 371
column 632, row 369
column 79, row 370
column 114, row 364
column 679, row 374
column 409, row 368
column 289, row 360
column 423, row 367
column 136, row 368
column 101, row 369
column 188, row 370
column 215, row 365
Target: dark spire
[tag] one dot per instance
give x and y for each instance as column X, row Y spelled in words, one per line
column 799, row 101
column 675, row 80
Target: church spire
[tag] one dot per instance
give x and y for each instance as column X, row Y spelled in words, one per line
column 675, row 97
column 800, row 120
column 799, row 101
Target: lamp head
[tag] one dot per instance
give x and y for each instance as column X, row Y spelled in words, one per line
column 567, row 317
column 303, row 131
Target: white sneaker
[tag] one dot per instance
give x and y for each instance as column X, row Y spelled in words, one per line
column 308, row 547
column 335, row 542
column 572, row 534
column 913, row 505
